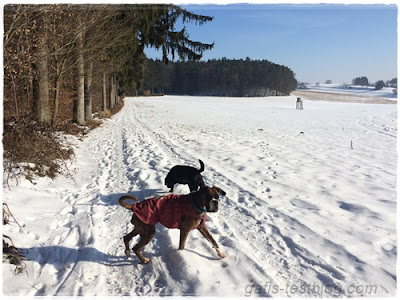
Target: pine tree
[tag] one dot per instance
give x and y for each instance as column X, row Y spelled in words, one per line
column 223, row 77
column 363, row 81
column 157, row 29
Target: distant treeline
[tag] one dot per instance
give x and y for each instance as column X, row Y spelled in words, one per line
column 222, row 77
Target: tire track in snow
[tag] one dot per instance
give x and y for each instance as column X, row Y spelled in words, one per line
column 89, row 209
column 375, row 125
column 147, row 140
column 136, row 162
column 69, row 247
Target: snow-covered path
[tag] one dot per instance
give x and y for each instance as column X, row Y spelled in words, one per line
column 310, row 206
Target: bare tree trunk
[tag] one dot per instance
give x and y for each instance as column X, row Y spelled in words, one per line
column 112, row 93
column 88, row 98
column 80, row 105
column 60, row 69
column 42, row 103
column 14, row 89
column 57, row 85
column 104, row 106
column 29, row 90
column 116, row 91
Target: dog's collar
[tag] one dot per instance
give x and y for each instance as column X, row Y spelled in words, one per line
column 198, row 209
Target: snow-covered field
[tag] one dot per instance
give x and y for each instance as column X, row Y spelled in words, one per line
column 350, row 93
column 310, row 208
column 366, row 91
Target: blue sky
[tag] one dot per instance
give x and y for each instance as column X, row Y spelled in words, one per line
column 318, row 42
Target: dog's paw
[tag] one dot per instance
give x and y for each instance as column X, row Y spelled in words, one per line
column 146, row 260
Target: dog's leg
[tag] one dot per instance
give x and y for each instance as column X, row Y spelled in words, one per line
column 188, row 224
column 204, row 231
column 182, row 239
column 193, row 187
column 127, row 239
column 145, row 238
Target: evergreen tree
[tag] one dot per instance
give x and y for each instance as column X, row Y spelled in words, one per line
column 156, row 28
column 222, row 77
column 379, row 85
column 363, row 81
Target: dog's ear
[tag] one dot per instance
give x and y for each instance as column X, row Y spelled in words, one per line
column 219, row 190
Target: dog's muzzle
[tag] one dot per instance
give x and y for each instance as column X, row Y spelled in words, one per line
column 212, row 205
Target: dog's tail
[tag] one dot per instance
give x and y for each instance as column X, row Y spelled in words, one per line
column 201, row 166
column 126, row 205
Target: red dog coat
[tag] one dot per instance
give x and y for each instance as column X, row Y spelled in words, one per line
column 167, row 210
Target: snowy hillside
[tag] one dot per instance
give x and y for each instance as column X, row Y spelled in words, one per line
column 310, row 206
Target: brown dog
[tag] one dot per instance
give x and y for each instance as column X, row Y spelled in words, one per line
column 186, row 212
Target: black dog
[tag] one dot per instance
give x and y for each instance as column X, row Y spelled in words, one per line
column 185, row 175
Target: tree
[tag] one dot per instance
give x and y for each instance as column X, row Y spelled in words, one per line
column 302, row 85
column 80, row 72
column 379, row 85
column 157, row 29
column 153, row 26
column 363, row 81
column 19, row 41
column 222, row 77
column 392, row 83
column 62, row 44
column 48, row 45
column 42, row 101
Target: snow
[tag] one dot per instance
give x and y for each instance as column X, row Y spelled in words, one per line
column 310, row 208
column 364, row 91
